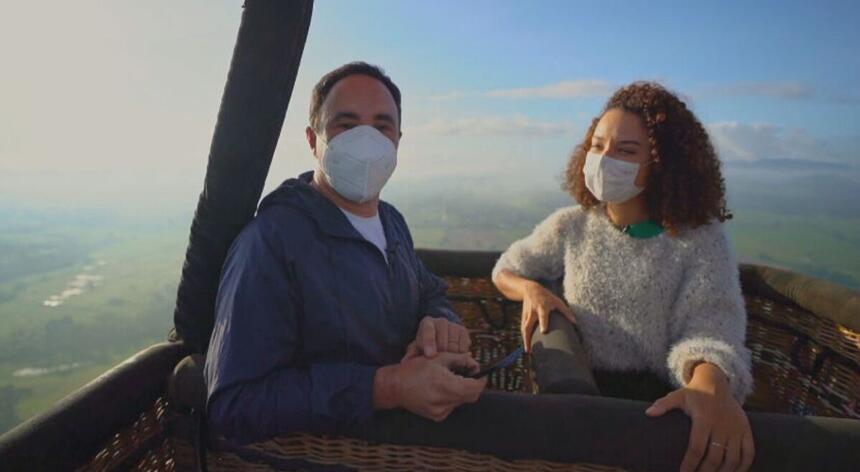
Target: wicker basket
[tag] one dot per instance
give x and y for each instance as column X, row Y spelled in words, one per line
column 143, row 446
column 804, row 363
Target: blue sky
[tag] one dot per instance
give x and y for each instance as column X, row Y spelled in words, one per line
column 521, row 79
column 698, row 48
column 494, row 88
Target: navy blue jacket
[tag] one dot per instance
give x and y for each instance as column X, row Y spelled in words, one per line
column 307, row 310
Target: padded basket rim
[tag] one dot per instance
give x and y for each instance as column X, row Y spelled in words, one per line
column 822, row 298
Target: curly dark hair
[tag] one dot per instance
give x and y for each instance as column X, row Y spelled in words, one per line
column 685, row 187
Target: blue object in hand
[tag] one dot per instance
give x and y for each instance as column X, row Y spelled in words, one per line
column 505, row 362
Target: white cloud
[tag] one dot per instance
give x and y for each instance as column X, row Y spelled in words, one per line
column 780, row 89
column 519, row 126
column 563, row 89
column 445, row 97
column 743, row 142
column 593, row 88
column 845, row 98
column 748, row 142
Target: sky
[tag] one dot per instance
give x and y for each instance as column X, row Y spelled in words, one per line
column 102, row 99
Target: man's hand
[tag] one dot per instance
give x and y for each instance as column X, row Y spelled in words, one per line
column 427, row 387
column 437, row 335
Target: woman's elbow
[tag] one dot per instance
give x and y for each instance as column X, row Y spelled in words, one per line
column 499, row 276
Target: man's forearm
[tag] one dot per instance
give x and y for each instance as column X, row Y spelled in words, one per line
column 322, row 398
column 385, row 388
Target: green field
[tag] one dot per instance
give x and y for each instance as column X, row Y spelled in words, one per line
column 817, row 245
column 131, row 308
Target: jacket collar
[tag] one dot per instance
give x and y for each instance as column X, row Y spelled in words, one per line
column 299, row 194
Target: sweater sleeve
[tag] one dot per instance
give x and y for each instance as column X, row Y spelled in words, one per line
column 709, row 318
column 540, row 255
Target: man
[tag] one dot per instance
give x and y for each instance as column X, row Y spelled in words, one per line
column 324, row 313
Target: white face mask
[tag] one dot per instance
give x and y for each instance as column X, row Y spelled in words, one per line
column 358, row 162
column 609, row 179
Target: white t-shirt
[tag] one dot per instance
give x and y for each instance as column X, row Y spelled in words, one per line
column 370, row 228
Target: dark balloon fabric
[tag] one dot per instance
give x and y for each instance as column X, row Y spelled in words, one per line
column 259, row 85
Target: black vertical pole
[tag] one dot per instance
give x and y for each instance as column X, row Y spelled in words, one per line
column 261, row 79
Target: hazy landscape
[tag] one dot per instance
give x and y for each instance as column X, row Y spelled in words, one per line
column 83, row 288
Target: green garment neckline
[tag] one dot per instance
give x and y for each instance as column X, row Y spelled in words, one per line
column 646, row 229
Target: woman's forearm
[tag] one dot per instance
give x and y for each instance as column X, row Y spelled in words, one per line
column 512, row 285
column 710, row 375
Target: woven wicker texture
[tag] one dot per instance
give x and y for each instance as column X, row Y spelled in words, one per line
column 803, row 364
column 142, row 446
column 494, row 326
column 361, row 455
column 158, row 459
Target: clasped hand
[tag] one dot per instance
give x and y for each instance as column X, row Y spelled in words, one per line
column 424, row 381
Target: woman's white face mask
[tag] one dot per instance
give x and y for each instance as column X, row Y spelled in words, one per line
column 358, row 162
column 611, row 180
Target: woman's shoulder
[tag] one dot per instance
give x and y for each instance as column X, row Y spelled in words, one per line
column 710, row 238
column 563, row 220
column 712, row 231
column 568, row 213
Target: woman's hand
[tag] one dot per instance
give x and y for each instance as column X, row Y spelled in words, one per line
column 538, row 303
column 720, row 438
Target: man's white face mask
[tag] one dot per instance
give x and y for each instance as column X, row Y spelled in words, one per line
column 358, row 162
column 610, row 179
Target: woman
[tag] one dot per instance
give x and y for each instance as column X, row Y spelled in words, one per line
column 648, row 273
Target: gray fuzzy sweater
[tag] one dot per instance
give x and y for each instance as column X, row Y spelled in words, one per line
column 659, row 304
